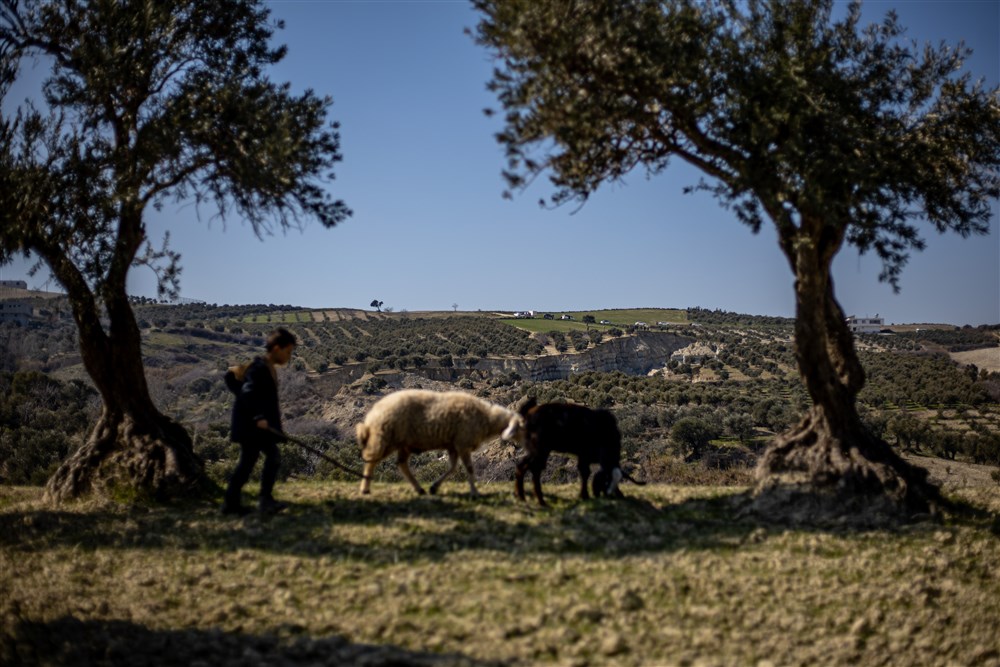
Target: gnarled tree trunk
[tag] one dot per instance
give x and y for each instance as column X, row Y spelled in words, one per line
column 134, row 451
column 830, row 465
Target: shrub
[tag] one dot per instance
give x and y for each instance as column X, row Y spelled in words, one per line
column 201, row 386
column 373, row 385
column 693, row 435
column 29, row 457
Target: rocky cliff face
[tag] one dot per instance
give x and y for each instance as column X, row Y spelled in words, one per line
column 632, row 355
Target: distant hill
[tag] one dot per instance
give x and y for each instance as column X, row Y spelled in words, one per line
column 15, row 293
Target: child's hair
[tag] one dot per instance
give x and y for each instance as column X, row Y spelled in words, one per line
column 280, row 337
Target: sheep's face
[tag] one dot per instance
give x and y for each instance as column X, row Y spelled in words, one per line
column 515, row 429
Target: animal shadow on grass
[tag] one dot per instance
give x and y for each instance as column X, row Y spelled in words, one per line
column 400, row 529
column 496, row 521
column 70, row 641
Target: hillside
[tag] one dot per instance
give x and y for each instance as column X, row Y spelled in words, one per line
column 733, row 375
column 673, row 574
column 987, row 359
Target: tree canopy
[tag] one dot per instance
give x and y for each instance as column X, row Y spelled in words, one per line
column 145, row 103
column 789, row 113
column 835, row 133
column 148, row 102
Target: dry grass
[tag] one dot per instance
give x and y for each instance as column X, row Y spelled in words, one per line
column 987, row 359
column 670, row 576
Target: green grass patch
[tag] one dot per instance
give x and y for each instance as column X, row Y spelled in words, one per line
column 161, row 339
column 544, row 326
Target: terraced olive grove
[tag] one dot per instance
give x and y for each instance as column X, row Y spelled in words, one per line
column 734, row 374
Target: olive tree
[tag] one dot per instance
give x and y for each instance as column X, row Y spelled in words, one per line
column 835, row 133
column 145, row 103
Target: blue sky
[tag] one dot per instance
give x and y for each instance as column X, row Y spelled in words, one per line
column 421, row 171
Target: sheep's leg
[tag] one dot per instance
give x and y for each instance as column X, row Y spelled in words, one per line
column 537, row 466
column 583, row 466
column 404, row 467
column 453, row 461
column 519, row 470
column 467, row 462
column 366, row 481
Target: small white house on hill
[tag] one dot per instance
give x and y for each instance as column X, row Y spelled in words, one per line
column 15, row 311
column 865, row 325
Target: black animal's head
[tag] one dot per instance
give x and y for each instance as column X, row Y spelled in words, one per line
column 605, row 483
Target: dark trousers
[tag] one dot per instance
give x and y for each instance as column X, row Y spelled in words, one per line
column 249, row 453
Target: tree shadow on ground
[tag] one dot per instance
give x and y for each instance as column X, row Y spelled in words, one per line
column 72, row 642
column 413, row 528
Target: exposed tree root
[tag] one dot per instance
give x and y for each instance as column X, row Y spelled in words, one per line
column 814, row 474
column 122, row 463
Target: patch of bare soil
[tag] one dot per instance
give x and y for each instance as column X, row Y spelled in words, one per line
column 987, row 359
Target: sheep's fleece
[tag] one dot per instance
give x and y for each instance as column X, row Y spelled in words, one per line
column 410, row 421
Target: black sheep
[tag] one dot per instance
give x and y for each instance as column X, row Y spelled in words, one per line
column 590, row 435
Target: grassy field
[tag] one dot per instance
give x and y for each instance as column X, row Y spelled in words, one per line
column 670, row 576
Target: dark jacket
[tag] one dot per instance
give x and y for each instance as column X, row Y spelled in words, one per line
column 256, row 399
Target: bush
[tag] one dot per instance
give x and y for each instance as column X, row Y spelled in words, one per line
column 373, row 385
column 30, row 457
column 693, row 435
column 201, row 386
column 44, row 421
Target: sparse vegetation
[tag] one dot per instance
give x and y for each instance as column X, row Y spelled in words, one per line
column 667, row 576
column 742, row 383
column 444, row 580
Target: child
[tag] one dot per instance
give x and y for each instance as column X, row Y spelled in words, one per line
column 256, row 423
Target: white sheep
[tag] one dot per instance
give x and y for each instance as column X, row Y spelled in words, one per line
column 410, row 421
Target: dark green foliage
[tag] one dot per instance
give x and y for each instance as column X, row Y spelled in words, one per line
column 952, row 340
column 693, row 435
column 223, row 315
column 791, row 114
column 773, row 414
column 983, row 448
column 42, row 420
column 410, row 342
column 921, row 379
column 740, row 425
column 146, row 103
column 157, row 101
column 722, row 317
column 834, row 133
column 647, row 408
column 374, row 385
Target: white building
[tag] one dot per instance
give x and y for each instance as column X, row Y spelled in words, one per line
column 865, row 325
column 15, row 311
